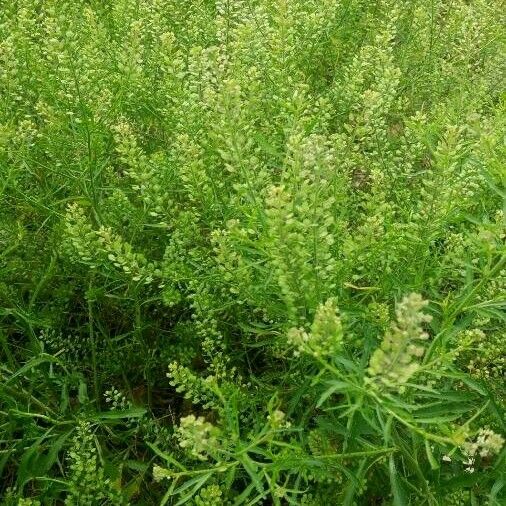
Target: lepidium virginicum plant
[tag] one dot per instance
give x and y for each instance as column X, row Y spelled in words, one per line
column 252, row 252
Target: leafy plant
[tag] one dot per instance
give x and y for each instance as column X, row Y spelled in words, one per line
column 252, row 252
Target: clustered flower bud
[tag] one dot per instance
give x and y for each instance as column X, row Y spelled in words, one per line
column 398, row 357
column 198, row 437
column 325, row 338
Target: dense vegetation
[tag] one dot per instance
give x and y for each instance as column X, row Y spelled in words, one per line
column 252, row 252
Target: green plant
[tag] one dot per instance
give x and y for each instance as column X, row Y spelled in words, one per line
column 252, row 252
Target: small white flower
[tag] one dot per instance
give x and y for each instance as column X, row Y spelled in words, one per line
column 159, row 473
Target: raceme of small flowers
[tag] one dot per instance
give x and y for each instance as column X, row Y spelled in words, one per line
column 398, row 356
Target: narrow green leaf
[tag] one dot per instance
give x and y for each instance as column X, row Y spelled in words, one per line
column 120, row 415
column 395, row 483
